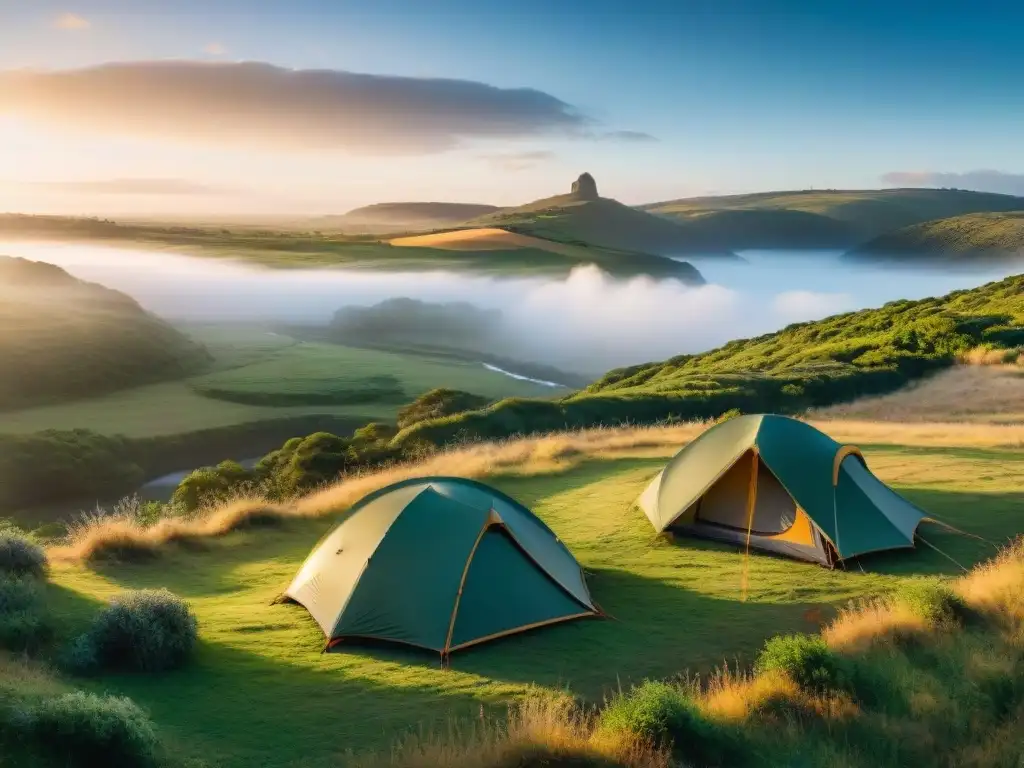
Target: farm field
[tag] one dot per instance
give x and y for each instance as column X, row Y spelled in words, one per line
column 259, row 376
column 261, row 694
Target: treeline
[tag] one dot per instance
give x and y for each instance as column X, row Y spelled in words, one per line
column 81, row 466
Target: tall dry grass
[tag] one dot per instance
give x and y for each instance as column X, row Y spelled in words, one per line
column 125, row 536
column 968, row 710
column 541, row 730
column 996, row 588
column 991, row 393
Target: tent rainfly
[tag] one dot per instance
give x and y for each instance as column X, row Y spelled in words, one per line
column 440, row 563
column 779, row 485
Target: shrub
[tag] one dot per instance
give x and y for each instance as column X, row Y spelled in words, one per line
column 805, row 658
column 83, row 729
column 20, row 555
column 438, row 403
column 144, row 631
column 652, row 711
column 210, row 485
column 658, row 712
column 24, row 623
column 934, row 601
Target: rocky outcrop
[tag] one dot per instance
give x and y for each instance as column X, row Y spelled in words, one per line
column 585, row 188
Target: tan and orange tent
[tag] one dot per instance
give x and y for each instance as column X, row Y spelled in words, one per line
column 783, row 486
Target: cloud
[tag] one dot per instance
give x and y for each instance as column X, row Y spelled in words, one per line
column 134, row 187
column 632, row 137
column 261, row 104
column 801, row 306
column 215, row 49
column 518, row 161
column 980, row 180
column 71, row 21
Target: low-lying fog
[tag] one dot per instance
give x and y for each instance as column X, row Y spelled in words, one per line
column 586, row 322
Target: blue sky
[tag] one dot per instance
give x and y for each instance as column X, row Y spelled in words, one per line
column 740, row 96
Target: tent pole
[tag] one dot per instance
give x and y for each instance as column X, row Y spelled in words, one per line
column 751, row 503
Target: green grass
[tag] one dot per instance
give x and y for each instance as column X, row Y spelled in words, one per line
column 249, row 361
column 261, row 694
column 991, row 234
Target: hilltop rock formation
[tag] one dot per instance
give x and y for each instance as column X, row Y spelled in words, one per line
column 585, row 188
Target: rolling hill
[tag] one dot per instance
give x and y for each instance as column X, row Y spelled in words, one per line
column 63, row 338
column 508, row 255
column 582, row 217
column 804, row 365
column 383, row 218
column 984, row 236
column 837, row 218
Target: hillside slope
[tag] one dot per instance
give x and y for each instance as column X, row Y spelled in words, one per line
column 384, row 218
column 861, row 214
column 985, row 236
column 498, row 244
column 63, row 338
column 582, row 217
column 805, row 365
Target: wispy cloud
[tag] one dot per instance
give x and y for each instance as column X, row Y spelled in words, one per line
column 133, row 187
column 635, row 137
column 215, row 49
column 71, row 21
column 262, row 104
column 518, row 161
column 981, row 180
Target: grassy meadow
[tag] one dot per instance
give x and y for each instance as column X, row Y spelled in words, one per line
column 260, row 376
column 261, row 694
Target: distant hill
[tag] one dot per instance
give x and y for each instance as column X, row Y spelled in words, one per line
column 495, row 244
column 761, row 228
column 969, row 238
column 386, row 218
column 583, row 217
column 805, row 365
column 63, row 338
column 842, row 218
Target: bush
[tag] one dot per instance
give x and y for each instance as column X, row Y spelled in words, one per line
column 652, row 711
column 932, row 600
column 805, row 658
column 210, row 485
column 24, row 623
column 83, row 729
column 20, row 555
column 438, row 403
column 142, row 631
column 659, row 712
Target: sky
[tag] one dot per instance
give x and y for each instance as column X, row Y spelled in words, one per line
column 297, row 107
